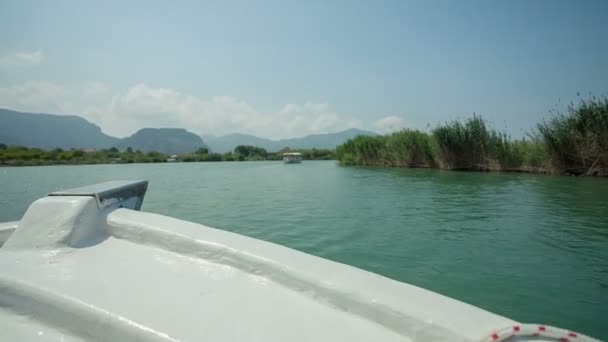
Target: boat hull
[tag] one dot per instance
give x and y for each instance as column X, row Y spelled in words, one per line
column 84, row 266
column 292, row 161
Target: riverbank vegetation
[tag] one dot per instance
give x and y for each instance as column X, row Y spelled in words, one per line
column 23, row 156
column 254, row 153
column 577, row 142
column 572, row 143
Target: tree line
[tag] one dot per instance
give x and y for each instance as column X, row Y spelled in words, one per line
column 24, row 156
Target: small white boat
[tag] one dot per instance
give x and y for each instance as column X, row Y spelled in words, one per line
column 292, row 157
column 86, row 264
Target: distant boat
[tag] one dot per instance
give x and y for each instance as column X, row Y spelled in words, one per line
column 292, row 157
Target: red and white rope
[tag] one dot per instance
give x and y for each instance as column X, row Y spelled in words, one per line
column 536, row 331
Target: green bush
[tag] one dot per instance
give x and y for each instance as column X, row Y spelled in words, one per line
column 577, row 142
column 410, row 148
column 464, row 145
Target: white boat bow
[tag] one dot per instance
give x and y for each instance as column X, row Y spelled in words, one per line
column 85, row 264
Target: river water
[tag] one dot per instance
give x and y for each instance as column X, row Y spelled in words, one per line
column 530, row 247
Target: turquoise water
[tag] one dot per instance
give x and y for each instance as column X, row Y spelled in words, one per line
column 534, row 248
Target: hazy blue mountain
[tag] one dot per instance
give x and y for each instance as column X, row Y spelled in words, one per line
column 165, row 140
column 228, row 142
column 51, row 131
column 328, row 140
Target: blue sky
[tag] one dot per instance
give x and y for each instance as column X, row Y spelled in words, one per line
column 282, row 69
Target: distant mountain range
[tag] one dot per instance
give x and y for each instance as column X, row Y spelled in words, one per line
column 228, row 142
column 50, row 131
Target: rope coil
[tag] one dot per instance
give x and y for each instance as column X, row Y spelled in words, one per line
column 536, row 331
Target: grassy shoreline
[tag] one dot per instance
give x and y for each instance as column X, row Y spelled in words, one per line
column 575, row 143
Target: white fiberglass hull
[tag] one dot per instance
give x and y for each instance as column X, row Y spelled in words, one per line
column 292, row 161
column 83, row 267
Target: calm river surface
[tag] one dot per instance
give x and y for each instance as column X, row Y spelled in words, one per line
column 534, row 248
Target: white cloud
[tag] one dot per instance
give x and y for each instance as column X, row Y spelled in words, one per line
column 314, row 118
column 96, row 89
column 290, row 109
column 22, row 59
column 35, row 96
column 146, row 106
column 390, row 124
